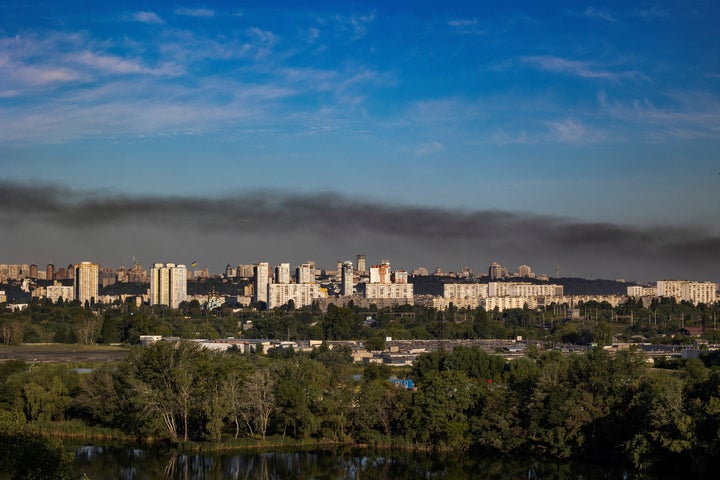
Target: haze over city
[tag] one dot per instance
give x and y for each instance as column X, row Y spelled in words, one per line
column 432, row 135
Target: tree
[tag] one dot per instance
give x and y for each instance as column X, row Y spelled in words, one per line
column 168, row 379
column 257, row 401
column 444, row 400
column 663, row 429
column 299, row 391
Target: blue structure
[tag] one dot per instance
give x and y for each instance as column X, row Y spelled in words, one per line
column 404, row 383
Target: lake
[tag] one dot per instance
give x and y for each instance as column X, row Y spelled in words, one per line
column 100, row 462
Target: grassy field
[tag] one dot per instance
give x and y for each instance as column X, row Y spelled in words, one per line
column 62, row 353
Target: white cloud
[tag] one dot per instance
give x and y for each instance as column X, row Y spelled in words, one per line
column 687, row 115
column 504, row 138
column 429, row 148
column 108, row 63
column 653, row 12
column 463, row 22
column 573, row 67
column 148, row 17
column 311, row 35
column 573, row 131
column 599, row 14
column 465, row 26
column 195, row 12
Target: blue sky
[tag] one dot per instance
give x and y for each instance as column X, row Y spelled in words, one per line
column 595, row 112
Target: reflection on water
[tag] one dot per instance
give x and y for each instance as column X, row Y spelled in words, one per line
column 134, row 464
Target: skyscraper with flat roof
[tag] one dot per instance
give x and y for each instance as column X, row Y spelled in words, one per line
column 168, row 284
column 347, row 279
column 86, row 276
column 262, row 279
column 361, row 263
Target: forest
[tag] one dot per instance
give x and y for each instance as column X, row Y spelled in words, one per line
column 595, row 406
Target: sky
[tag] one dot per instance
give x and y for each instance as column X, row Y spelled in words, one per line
column 435, row 134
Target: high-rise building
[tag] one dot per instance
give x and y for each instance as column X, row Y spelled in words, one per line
column 361, row 263
column 305, row 273
column 262, row 279
column 525, row 271
column 229, row 271
column 400, row 276
column 380, row 273
column 282, row 273
column 347, row 279
column 50, row 272
column 496, row 271
column 86, row 277
column 168, row 284
column 33, row 271
column 245, row 270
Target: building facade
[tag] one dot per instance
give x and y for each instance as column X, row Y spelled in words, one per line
column 262, row 279
column 86, row 278
column 347, row 279
column 689, row 291
column 302, row 294
column 282, row 273
column 168, row 284
column 305, row 273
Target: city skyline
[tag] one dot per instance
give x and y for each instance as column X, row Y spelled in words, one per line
column 433, row 135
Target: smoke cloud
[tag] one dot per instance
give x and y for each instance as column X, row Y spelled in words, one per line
column 53, row 222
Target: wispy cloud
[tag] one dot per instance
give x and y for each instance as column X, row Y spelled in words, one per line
column 467, row 26
column 429, row 148
column 311, row 35
column 576, row 68
column 147, row 17
column 357, row 24
column 684, row 114
column 653, row 12
column 505, row 138
column 573, row 131
column 195, row 12
column 599, row 13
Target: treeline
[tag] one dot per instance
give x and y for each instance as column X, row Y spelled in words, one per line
column 583, row 406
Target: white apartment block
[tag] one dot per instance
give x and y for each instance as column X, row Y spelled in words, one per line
column 305, row 273
column 442, row 303
column 302, row 294
column 389, row 290
column 282, row 273
column 523, row 289
column 168, row 284
column 245, row 271
column 347, row 279
column 685, row 290
column 57, row 291
column 457, row 291
column 380, row 273
column 639, row 291
column 400, row 276
column 505, row 303
column 86, row 281
column 262, row 279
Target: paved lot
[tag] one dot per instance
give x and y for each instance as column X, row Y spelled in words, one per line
column 58, row 353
